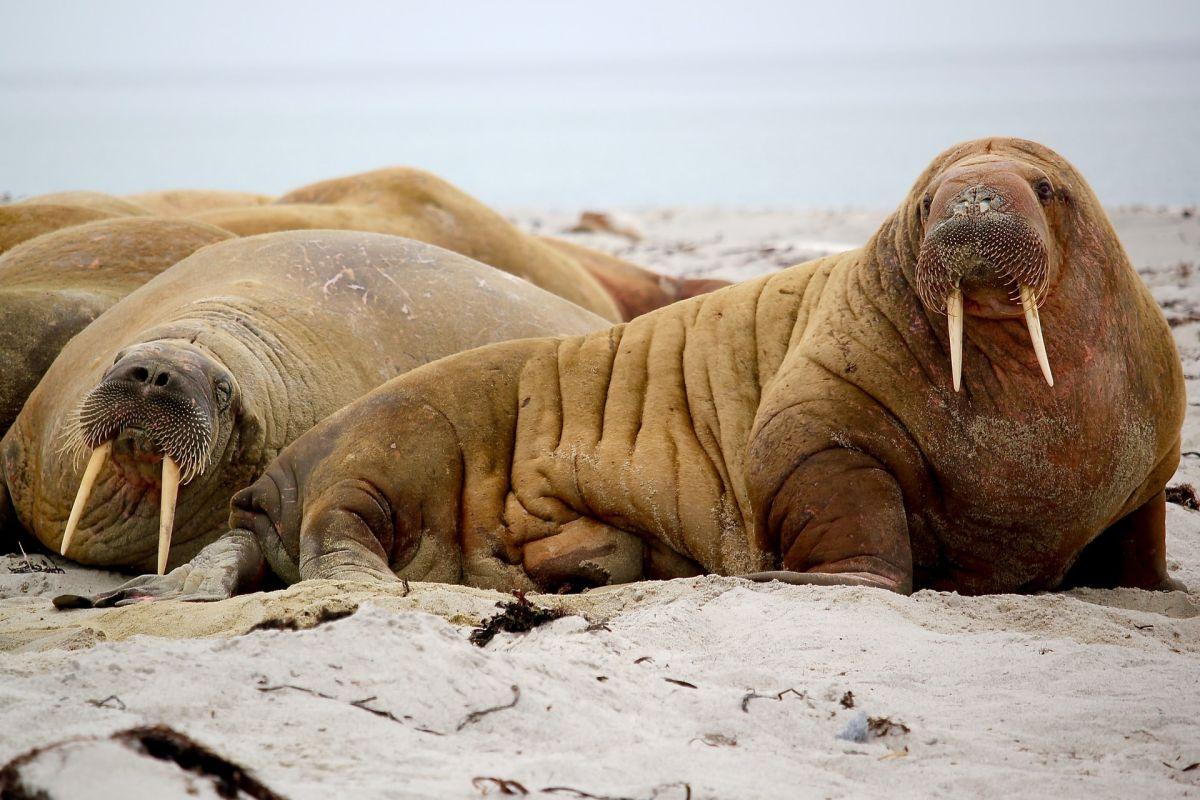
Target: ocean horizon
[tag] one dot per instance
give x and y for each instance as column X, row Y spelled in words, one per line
column 820, row 130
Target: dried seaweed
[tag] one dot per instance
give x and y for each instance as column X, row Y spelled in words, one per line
column 519, row 616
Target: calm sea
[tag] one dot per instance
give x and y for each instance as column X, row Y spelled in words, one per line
column 807, row 131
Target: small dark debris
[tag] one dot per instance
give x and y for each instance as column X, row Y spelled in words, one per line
column 717, row 740
column 1191, row 766
column 753, row 695
column 570, row 792
column 1143, row 627
column 885, row 726
column 602, row 678
column 678, row 682
column 506, row 786
column 304, row 620
column 475, row 716
column 112, row 699
column 643, row 660
column 847, row 700
column 1183, row 494
column 379, row 712
column 520, row 616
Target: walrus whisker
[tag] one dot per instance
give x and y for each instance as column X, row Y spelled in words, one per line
column 99, row 456
column 954, row 313
column 1034, row 323
column 166, row 515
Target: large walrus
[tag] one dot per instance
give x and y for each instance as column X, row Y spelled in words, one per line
column 984, row 398
column 54, row 285
column 203, row 374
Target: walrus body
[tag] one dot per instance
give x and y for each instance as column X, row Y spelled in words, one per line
column 212, row 367
column 417, row 205
column 97, row 201
column 54, row 285
column 20, row 222
column 186, row 202
column 828, row 424
column 635, row 290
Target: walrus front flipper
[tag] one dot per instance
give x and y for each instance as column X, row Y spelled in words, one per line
column 838, row 518
column 232, row 564
column 1132, row 552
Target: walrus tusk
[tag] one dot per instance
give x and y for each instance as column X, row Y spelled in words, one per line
column 99, row 456
column 1034, row 323
column 166, row 515
column 954, row 311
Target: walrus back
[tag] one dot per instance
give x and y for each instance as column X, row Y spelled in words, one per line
column 645, row 425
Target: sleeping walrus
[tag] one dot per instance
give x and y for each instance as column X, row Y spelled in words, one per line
column 203, row 374
column 54, row 285
column 419, row 205
column 984, row 398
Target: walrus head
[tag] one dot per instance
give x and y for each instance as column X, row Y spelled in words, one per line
column 987, row 248
column 161, row 412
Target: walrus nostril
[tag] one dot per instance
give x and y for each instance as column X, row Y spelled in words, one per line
column 162, row 379
column 139, row 374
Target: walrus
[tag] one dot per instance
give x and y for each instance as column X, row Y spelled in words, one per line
column 629, row 290
column 984, row 398
column 419, row 205
column 20, row 222
column 97, row 201
column 199, row 378
column 53, row 286
column 185, row 202
column 636, row 290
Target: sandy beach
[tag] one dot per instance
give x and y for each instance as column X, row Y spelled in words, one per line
column 700, row 688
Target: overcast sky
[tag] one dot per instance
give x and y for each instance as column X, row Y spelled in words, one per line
column 66, row 36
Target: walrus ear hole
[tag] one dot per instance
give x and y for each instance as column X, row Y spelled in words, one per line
column 1044, row 189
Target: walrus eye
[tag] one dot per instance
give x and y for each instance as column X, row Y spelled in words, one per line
column 1044, row 190
column 926, row 204
column 223, row 391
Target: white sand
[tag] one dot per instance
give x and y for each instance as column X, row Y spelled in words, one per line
column 1085, row 694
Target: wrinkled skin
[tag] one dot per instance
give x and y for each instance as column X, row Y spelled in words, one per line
column 252, row 341
column 53, row 286
column 801, row 426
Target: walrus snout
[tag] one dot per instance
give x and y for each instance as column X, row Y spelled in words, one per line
column 986, row 252
column 158, row 400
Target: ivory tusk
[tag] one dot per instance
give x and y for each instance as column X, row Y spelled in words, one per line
column 954, row 312
column 1034, row 323
column 99, row 456
column 166, row 514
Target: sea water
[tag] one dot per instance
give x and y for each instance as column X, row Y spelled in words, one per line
column 830, row 130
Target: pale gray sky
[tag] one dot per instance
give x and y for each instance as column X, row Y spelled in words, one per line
column 67, row 35
column 548, row 103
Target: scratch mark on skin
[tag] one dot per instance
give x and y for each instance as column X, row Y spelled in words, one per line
column 329, row 284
